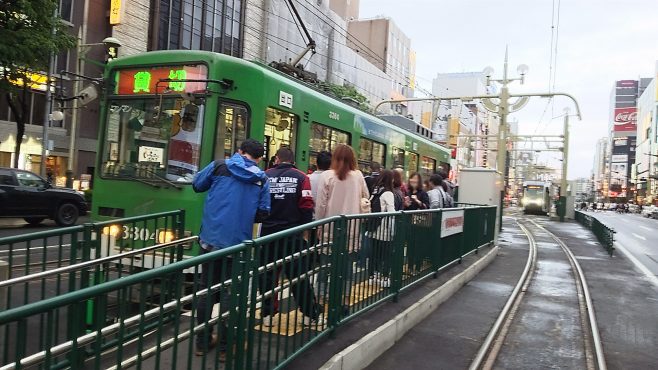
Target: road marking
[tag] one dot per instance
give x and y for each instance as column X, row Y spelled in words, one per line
column 646, row 228
column 33, row 249
column 639, row 236
column 652, row 278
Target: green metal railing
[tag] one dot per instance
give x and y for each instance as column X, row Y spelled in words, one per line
column 604, row 234
column 278, row 294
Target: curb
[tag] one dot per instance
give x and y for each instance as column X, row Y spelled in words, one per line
column 374, row 344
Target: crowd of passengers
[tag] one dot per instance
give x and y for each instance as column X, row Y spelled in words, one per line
column 240, row 194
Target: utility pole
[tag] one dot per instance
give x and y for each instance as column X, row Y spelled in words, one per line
column 49, row 106
column 565, row 164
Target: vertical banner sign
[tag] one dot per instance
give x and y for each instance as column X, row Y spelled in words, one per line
column 115, row 12
column 452, row 222
column 625, row 119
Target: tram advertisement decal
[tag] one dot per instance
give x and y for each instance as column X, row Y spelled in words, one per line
column 452, row 222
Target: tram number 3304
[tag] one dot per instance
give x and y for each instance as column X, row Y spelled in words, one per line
column 137, row 233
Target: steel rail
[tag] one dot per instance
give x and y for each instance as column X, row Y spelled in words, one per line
column 589, row 305
column 493, row 336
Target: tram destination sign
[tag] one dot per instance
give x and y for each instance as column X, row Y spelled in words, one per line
column 146, row 80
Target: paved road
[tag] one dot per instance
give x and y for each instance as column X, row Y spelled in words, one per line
column 637, row 234
column 16, row 226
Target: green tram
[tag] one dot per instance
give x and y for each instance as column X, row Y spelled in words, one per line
column 167, row 114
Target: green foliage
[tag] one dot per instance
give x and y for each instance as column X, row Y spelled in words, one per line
column 26, row 37
column 347, row 91
column 26, row 43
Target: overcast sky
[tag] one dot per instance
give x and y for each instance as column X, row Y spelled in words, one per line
column 598, row 42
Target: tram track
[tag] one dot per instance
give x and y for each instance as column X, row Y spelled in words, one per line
column 495, row 342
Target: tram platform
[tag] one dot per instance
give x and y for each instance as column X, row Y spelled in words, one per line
column 624, row 302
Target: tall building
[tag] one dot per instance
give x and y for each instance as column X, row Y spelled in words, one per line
column 646, row 160
column 346, row 9
column 454, row 118
column 599, row 170
column 623, row 129
column 387, row 47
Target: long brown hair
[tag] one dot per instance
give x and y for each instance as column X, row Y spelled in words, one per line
column 343, row 160
column 386, row 180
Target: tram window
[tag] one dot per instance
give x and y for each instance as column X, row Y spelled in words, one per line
column 280, row 131
column 398, row 158
column 325, row 138
column 371, row 151
column 154, row 139
column 413, row 164
column 427, row 166
column 232, row 129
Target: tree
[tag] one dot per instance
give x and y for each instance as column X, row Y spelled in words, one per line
column 28, row 35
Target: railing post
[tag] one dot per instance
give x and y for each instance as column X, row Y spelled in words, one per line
column 400, row 225
column 337, row 272
column 238, row 316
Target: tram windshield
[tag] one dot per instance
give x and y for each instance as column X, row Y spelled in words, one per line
column 154, row 139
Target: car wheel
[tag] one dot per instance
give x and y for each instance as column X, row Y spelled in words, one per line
column 67, row 214
column 34, row 221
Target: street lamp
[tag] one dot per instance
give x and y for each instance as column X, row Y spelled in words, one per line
column 81, row 53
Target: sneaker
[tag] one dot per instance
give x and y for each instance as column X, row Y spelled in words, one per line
column 319, row 321
column 200, row 351
column 385, row 282
column 268, row 321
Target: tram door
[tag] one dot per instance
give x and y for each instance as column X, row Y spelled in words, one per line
column 280, row 131
column 232, row 129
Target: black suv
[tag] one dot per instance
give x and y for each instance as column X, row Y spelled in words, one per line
column 24, row 194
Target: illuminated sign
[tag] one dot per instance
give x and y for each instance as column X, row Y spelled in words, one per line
column 150, row 80
column 35, row 81
column 534, row 187
column 115, row 11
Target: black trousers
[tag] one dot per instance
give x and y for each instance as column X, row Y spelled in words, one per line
column 213, row 273
column 302, row 291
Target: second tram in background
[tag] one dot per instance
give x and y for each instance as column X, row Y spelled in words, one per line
column 536, row 197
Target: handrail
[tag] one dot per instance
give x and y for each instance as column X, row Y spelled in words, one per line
column 40, row 234
column 94, row 262
column 137, row 218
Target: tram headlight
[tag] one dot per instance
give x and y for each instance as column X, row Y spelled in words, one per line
column 165, row 236
column 112, row 230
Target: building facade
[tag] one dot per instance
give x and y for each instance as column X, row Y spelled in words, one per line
column 600, row 169
column 89, row 21
column 646, row 159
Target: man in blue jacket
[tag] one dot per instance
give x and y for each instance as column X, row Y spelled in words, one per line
column 238, row 196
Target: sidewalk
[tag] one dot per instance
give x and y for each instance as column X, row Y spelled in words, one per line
column 351, row 332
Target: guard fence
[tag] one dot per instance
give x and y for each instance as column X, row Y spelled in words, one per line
column 277, row 295
column 604, row 234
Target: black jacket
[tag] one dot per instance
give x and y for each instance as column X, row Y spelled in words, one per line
column 291, row 199
column 424, row 199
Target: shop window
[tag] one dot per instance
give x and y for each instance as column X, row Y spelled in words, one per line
column 371, row 151
column 280, row 132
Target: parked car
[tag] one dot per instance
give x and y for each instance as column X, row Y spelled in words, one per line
column 26, row 195
column 633, row 208
column 650, row 211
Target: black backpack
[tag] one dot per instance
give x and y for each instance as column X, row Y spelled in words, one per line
column 375, row 207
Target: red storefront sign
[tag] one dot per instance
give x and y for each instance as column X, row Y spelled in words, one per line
column 625, row 119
